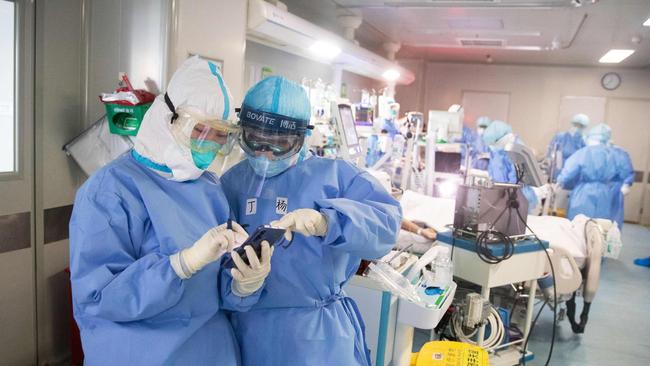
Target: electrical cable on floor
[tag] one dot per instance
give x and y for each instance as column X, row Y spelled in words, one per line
column 523, row 359
column 550, row 352
column 497, row 330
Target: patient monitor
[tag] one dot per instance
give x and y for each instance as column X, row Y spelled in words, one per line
column 524, row 159
column 347, row 133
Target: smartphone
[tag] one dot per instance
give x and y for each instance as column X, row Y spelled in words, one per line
column 263, row 233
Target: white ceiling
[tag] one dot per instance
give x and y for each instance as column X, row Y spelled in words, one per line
column 556, row 33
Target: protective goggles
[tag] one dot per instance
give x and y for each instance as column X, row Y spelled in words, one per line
column 203, row 135
column 280, row 145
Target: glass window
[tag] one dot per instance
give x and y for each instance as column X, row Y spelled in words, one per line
column 7, row 89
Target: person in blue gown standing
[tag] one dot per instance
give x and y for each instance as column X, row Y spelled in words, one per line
column 590, row 172
column 147, row 233
column 622, row 183
column 500, row 169
column 565, row 144
column 336, row 215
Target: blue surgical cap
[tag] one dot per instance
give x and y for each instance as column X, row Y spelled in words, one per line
column 277, row 104
column 600, row 132
column 581, row 119
column 483, row 121
column 496, row 130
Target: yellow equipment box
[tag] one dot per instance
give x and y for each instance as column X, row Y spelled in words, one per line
column 446, row 353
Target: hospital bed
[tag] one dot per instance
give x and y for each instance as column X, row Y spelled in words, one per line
column 576, row 248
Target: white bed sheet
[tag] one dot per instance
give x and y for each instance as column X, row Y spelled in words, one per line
column 437, row 213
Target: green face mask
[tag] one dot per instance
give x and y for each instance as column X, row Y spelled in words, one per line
column 204, row 152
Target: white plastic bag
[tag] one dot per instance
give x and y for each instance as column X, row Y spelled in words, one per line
column 613, row 243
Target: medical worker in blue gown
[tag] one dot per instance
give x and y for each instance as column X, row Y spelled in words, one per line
column 567, row 143
column 147, row 233
column 589, row 172
column 466, row 139
column 480, row 150
column 622, row 183
column 497, row 136
column 337, row 214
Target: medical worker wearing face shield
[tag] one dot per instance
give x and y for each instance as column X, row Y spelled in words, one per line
column 567, row 143
column 589, row 172
column 497, row 136
column 337, row 215
column 147, row 233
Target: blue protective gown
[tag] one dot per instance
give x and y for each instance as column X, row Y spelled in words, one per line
column 389, row 126
column 624, row 175
column 129, row 304
column 502, row 170
column 589, row 173
column 303, row 317
column 468, row 138
column 566, row 143
column 374, row 153
column 480, row 148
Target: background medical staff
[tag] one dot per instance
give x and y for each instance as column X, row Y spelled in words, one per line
column 338, row 215
column 501, row 170
column 620, row 187
column 480, row 150
column 567, row 143
column 589, row 172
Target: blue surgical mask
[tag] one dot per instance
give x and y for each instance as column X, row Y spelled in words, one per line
column 264, row 167
column 204, row 152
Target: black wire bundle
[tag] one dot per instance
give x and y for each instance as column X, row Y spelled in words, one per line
column 486, row 238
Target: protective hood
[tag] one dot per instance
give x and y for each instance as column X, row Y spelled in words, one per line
column 198, row 85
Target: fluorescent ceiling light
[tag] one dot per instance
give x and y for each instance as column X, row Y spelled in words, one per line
column 614, row 56
column 324, row 49
column 646, row 23
column 391, row 74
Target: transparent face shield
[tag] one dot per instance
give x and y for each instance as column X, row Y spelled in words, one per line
column 205, row 137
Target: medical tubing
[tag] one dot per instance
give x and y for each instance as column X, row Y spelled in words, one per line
column 550, row 352
column 497, row 330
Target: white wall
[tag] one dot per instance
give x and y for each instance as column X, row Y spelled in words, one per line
column 125, row 36
column 285, row 64
column 296, row 68
column 535, row 91
column 213, row 29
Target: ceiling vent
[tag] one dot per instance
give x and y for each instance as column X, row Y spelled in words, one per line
column 482, row 43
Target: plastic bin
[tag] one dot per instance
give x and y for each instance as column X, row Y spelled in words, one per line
column 125, row 119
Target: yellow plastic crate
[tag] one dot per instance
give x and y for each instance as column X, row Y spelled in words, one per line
column 446, row 353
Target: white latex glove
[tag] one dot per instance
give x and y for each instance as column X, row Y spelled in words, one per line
column 249, row 278
column 625, row 189
column 210, row 247
column 305, row 221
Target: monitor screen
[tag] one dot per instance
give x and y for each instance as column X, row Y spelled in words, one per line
column 447, row 162
column 363, row 116
column 348, row 125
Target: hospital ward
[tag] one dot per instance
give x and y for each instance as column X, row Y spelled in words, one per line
column 324, row 182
